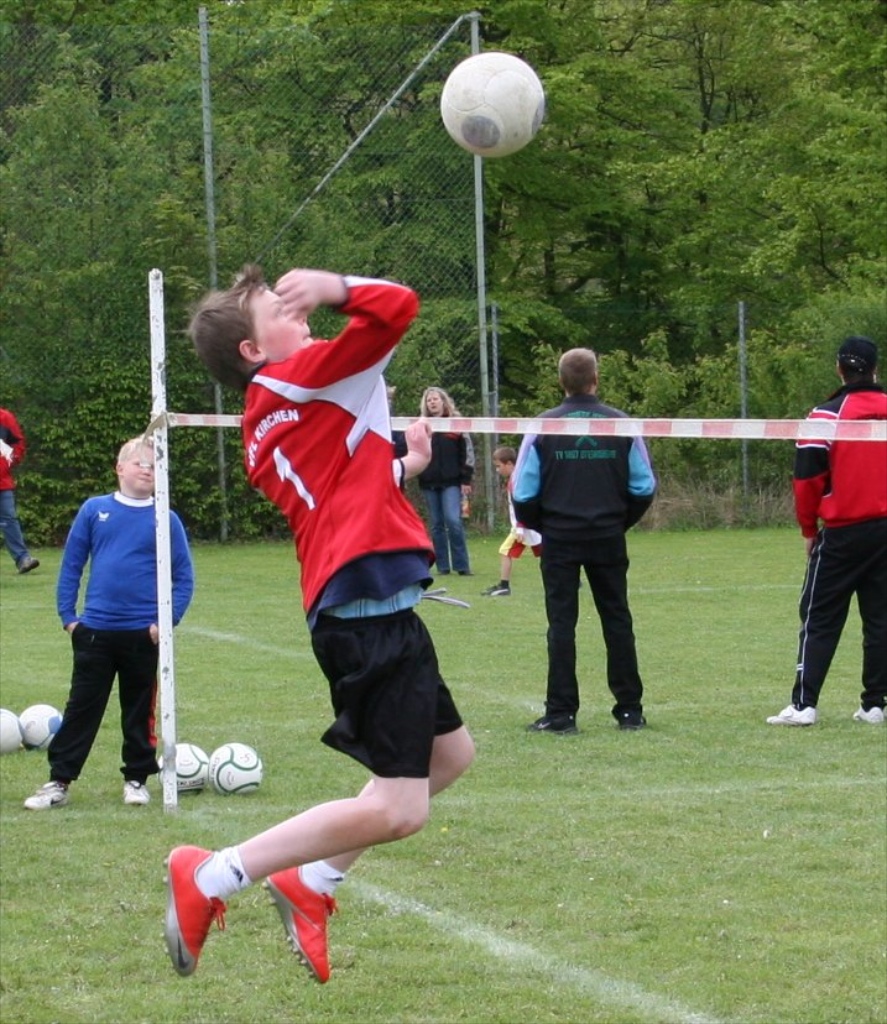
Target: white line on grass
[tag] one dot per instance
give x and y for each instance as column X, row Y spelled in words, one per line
column 519, row 956
column 235, row 638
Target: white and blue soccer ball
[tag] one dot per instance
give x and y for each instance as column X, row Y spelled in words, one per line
column 235, row 768
column 492, row 104
column 192, row 768
column 10, row 732
column 39, row 723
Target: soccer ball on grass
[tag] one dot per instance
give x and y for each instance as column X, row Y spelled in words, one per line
column 192, row 768
column 10, row 732
column 235, row 768
column 39, row 722
column 492, row 104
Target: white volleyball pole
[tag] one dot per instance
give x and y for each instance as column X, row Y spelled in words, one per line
column 166, row 662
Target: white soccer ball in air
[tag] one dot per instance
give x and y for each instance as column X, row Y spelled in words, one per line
column 235, row 768
column 10, row 732
column 39, row 722
column 492, row 104
column 192, row 767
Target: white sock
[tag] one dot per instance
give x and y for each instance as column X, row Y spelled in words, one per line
column 222, row 875
column 320, row 877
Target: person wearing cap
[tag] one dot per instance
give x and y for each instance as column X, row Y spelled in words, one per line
column 840, row 494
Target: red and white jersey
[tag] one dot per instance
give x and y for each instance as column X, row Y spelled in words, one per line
column 317, row 439
column 12, row 448
column 842, row 482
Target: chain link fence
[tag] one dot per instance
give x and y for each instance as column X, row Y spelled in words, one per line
column 196, row 148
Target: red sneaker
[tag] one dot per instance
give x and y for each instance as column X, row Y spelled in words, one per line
column 304, row 913
column 188, row 912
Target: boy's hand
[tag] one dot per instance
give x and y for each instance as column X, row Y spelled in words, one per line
column 303, row 291
column 418, row 438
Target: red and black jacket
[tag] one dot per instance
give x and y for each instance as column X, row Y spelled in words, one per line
column 11, row 434
column 842, row 482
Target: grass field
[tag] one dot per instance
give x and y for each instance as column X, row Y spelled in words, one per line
column 710, row 868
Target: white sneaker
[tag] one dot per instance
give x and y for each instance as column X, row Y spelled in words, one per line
column 52, row 794
column 136, row 793
column 791, row 716
column 874, row 716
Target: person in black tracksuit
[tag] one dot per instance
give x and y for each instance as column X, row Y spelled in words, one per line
column 582, row 493
column 843, row 485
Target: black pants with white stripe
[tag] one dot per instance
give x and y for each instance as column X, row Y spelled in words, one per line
column 845, row 560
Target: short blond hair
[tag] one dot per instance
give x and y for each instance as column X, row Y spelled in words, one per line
column 133, row 445
column 577, row 371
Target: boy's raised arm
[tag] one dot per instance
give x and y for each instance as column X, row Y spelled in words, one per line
column 303, row 291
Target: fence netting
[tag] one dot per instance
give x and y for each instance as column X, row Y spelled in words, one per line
column 108, row 131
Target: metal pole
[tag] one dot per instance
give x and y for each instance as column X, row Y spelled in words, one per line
column 480, row 263
column 210, row 199
column 494, row 404
column 494, row 359
column 165, row 658
column 743, row 397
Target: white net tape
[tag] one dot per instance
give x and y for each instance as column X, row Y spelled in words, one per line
column 731, row 430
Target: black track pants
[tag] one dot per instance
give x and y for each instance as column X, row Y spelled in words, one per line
column 845, row 560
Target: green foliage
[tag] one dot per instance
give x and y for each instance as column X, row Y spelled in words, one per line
column 442, row 340
column 695, row 154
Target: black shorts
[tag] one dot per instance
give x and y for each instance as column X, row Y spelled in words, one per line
column 387, row 692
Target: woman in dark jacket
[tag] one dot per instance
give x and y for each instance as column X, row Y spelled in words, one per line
column 445, row 481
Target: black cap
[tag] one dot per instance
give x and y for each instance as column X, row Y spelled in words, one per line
column 858, row 354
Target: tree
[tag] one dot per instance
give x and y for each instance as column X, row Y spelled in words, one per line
column 695, row 153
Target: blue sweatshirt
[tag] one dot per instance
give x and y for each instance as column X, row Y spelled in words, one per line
column 116, row 535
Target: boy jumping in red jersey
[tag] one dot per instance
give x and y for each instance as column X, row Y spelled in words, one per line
column 317, row 439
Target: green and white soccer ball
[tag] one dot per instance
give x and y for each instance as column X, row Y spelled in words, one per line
column 235, row 768
column 10, row 732
column 192, row 768
column 39, row 722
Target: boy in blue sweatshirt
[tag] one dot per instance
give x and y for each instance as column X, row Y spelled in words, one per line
column 116, row 634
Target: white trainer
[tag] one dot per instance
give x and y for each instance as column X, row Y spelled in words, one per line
column 136, row 793
column 874, row 716
column 52, row 794
column 791, row 716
